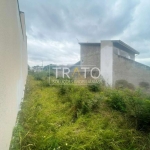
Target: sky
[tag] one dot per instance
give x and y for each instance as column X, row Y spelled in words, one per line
column 55, row 27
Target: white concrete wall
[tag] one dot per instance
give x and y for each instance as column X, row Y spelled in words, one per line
column 107, row 61
column 13, row 67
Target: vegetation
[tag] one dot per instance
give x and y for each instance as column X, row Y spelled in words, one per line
column 144, row 85
column 122, row 84
column 117, row 101
column 94, row 87
column 71, row 117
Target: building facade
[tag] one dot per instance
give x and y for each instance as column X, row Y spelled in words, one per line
column 13, row 67
column 116, row 61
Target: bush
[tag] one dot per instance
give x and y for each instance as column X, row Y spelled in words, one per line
column 66, row 89
column 94, row 87
column 51, row 74
column 45, row 83
column 143, row 116
column 139, row 109
column 96, row 102
column 144, row 85
column 39, row 75
column 80, row 99
column 131, row 86
column 122, row 84
column 148, row 97
column 81, row 102
column 62, row 90
column 117, row 101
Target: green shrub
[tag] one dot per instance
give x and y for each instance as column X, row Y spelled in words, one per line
column 144, row 85
column 117, row 101
column 51, row 74
column 96, row 102
column 143, row 116
column 39, row 75
column 62, row 90
column 139, row 109
column 122, row 84
column 82, row 101
column 148, row 97
column 94, row 87
column 45, row 83
column 131, row 86
column 66, row 89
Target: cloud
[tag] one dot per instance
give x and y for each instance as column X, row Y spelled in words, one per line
column 54, row 27
column 138, row 32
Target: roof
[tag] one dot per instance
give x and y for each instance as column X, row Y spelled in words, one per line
column 118, row 44
column 98, row 44
column 124, row 46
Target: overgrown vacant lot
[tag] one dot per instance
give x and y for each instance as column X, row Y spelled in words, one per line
column 81, row 118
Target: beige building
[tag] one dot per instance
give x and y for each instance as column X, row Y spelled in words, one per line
column 13, row 66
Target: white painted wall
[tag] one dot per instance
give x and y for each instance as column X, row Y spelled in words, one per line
column 13, row 67
column 107, row 61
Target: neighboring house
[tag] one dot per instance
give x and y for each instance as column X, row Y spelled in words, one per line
column 13, row 67
column 37, row 68
column 116, row 61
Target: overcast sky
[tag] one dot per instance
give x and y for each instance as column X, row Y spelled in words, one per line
column 54, row 27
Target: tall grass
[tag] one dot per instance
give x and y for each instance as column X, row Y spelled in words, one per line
column 76, row 118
